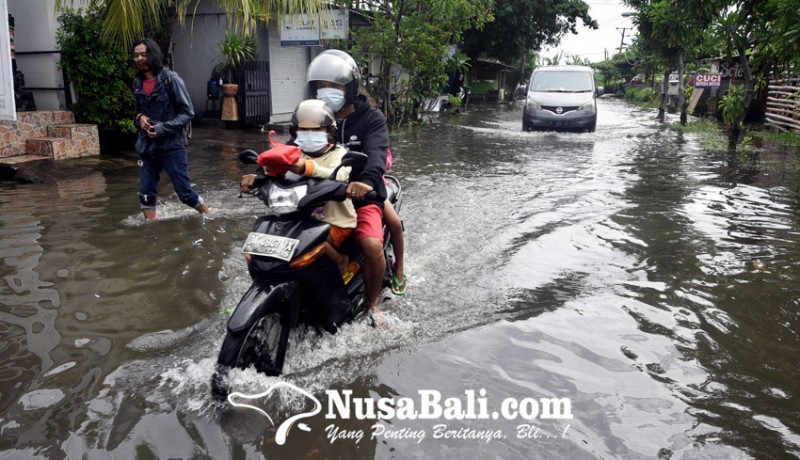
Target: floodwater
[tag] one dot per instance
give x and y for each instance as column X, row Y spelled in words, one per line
column 628, row 272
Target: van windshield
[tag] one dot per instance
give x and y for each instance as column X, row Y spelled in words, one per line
column 562, row 82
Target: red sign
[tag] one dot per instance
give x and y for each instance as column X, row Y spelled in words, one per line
column 707, row 80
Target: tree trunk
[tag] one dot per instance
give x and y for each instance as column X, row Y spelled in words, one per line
column 386, row 94
column 681, row 92
column 662, row 108
column 748, row 82
column 733, row 138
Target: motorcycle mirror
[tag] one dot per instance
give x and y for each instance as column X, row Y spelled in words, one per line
column 248, row 156
column 354, row 159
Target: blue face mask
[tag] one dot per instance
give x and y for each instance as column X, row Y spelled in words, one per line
column 311, row 141
column 333, row 97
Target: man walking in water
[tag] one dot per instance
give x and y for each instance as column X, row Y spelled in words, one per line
column 163, row 113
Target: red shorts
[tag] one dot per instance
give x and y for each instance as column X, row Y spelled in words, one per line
column 370, row 222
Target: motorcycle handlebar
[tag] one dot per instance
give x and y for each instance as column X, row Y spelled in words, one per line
column 248, row 156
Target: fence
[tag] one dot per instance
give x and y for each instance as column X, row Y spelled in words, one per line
column 783, row 105
column 254, row 97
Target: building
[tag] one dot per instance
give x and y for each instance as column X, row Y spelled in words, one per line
column 281, row 63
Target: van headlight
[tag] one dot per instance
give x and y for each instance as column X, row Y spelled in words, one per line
column 532, row 105
column 586, row 107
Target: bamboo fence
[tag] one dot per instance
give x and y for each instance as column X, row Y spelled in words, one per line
column 783, row 105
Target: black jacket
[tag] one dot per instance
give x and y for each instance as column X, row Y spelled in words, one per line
column 170, row 107
column 365, row 130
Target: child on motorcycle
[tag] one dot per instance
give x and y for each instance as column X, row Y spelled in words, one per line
column 314, row 131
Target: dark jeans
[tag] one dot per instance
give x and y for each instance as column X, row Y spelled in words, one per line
column 177, row 166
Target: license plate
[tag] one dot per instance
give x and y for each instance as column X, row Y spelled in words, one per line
column 261, row 244
column 559, row 124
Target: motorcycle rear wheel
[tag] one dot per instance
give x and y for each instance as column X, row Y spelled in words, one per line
column 263, row 345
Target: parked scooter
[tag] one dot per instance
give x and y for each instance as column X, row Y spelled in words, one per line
column 295, row 284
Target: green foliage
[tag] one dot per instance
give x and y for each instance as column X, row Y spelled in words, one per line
column 645, row 95
column 778, row 47
column 403, row 36
column 124, row 21
column 732, row 105
column 523, row 25
column 766, row 30
column 236, row 49
column 789, row 139
column 709, row 135
column 455, row 103
column 101, row 74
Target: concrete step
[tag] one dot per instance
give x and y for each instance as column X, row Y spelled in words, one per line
column 56, row 148
column 53, row 134
column 72, row 130
column 85, row 140
column 67, row 140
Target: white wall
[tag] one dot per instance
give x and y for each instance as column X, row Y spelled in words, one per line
column 7, row 106
column 287, row 68
column 35, row 25
column 195, row 54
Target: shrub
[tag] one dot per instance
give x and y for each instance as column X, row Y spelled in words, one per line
column 101, row 74
column 644, row 94
column 732, row 105
column 455, row 103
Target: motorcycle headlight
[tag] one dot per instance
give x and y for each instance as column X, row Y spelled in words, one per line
column 285, row 200
column 586, row 106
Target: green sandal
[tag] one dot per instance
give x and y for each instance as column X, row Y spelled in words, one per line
column 398, row 287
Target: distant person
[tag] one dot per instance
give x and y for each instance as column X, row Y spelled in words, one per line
column 163, row 113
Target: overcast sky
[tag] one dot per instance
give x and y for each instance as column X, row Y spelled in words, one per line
column 592, row 44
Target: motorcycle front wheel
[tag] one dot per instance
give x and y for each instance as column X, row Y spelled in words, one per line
column 263, row 346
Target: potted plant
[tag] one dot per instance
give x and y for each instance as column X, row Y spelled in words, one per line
column 236, row 49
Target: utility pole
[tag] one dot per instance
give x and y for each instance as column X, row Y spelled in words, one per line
column 622, row 41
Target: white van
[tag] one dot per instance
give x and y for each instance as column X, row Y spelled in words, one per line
column 561, row 97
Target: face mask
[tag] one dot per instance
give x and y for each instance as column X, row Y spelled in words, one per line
column 331, row 96
column 311, row 141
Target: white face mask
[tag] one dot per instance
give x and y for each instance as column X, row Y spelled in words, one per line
column 311, row 141
column 333, row 97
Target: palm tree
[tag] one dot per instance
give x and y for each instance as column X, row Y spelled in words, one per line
column 125, row 19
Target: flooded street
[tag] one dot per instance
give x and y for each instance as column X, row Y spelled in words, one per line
column 626, row 271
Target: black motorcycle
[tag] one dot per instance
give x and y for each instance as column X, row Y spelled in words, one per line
column 295, row 284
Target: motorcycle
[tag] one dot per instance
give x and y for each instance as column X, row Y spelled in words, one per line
column 295, row 284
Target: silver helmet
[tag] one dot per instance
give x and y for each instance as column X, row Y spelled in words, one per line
column 335, row 66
